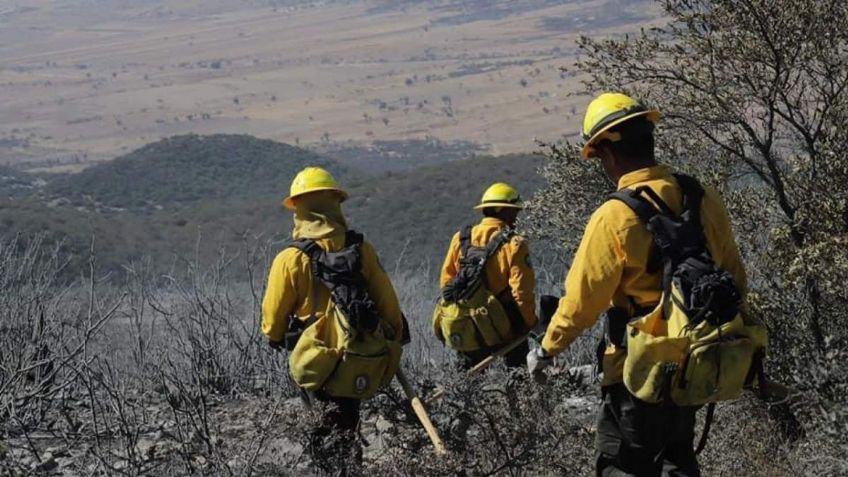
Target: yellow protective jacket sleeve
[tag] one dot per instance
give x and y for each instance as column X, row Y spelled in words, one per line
column 509, row 267
column 289, row 291
column 610, row 265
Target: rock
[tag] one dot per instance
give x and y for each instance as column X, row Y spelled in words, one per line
column 65, row 462
column 146, row 448
column 383, row 425
column 58, row 451
column 23, row 457
column 292, row 403
column 164, row 424
column 580, row 403
column 46, row 465
column 285, row 447
column 585, row 372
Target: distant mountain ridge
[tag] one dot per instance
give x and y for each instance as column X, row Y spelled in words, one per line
column 158, row 201
column 187, row 169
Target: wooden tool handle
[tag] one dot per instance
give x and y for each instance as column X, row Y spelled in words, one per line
column 418, row 407
column 497, row 354
column 438, row 394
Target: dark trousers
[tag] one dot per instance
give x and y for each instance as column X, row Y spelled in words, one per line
column 334, row 443
column 640, row 439
column 514, row 359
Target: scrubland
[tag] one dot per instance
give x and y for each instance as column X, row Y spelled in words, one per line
column 155, row 374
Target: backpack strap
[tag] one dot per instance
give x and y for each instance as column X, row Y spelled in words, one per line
column 465, row 240
column 354, row 240
column 353, row 237
column 647, row 210
column 499, row 240
column 314, row 252
column 634, row 199
column 708, row 421
column 495, row 243
column 693, row 195
column 308, row 246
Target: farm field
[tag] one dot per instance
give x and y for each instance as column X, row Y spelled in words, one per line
column 84, row 81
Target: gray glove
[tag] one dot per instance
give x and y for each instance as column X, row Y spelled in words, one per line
column 537, row 360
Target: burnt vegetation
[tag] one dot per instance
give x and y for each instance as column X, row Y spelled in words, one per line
column 131, row 341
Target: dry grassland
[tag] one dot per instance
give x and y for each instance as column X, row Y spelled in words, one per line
column 83, row 81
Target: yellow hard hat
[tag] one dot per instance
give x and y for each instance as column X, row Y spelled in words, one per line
column 606, row 111
column 312, row 179
column 500, row 194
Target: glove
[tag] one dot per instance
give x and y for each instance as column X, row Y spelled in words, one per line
column 537, row 360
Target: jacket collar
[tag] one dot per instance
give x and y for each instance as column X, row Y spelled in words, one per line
column 493, row 222
column 643, row 175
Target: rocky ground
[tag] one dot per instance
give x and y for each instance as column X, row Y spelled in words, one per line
column 256, row 435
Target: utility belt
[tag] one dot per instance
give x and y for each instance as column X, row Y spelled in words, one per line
column 296, row 327
column 615, row 321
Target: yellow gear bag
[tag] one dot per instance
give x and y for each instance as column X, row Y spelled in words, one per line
column 670, row 361
column 469, row 324
column 343, row 362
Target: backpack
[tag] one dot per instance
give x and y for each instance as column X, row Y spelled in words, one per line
column 694, row 347
column 342, row 351
column 468, row 317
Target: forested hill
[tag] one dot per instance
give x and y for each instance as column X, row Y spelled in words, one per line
column 217, row 190
column 188, row 169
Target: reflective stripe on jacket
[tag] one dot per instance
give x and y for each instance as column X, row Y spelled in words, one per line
column 509, row 267
column 610, row 265
column 289, row 290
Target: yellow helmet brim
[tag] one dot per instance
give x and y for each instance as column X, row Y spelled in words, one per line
column 586, row 153
column 288, row 202
column 486, row 205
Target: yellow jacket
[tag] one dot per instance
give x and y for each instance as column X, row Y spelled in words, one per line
column 509, row 267
column 289, row 291
column 610, row 264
